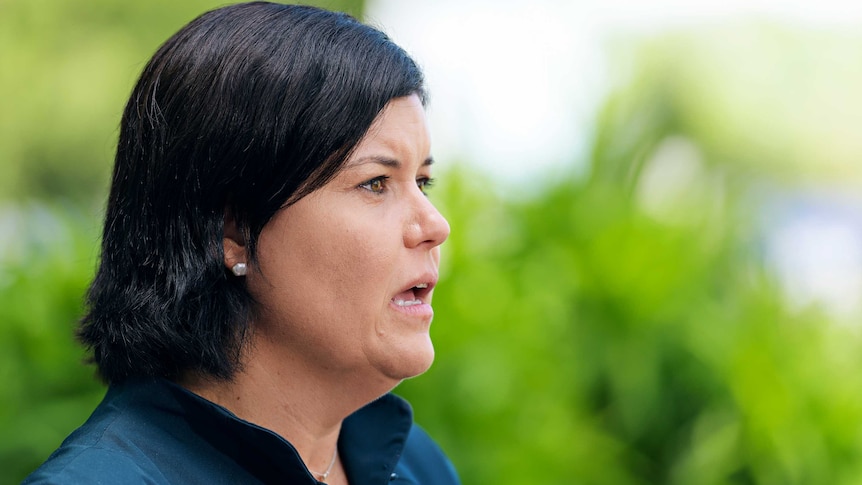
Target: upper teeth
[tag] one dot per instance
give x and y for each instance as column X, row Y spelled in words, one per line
column 421, row 285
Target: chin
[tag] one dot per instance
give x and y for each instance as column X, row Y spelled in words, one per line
column 407, row 363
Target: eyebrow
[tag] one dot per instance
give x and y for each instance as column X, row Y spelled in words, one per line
column 388, row 162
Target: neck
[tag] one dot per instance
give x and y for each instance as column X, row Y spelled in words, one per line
column 304, row 404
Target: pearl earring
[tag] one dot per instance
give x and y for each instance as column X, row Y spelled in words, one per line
column 239, row 269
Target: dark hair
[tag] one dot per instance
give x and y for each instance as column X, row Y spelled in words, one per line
column 245, row 110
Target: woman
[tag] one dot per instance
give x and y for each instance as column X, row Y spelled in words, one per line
column 267, row 264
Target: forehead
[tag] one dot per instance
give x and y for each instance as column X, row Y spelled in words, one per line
column 400, row 130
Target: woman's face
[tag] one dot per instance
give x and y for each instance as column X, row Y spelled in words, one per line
column 345, row 275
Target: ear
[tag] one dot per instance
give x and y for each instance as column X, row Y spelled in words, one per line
column 233, row 253
column 233, row 242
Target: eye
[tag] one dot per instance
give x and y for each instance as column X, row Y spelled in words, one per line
column 425, row 183
column 376, row 185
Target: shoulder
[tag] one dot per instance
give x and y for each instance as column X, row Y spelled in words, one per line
column 115, row 445
column 423, row 462
column 91, row 465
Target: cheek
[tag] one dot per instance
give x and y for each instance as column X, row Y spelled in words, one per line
column 336, row 265
column 364, row 266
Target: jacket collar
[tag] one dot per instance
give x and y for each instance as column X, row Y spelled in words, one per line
column 370, row 443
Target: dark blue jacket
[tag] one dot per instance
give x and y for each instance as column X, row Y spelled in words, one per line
column 156, row 432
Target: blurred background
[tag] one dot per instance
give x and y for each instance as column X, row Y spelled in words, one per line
column 655, row 268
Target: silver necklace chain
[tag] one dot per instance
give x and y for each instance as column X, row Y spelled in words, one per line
column 329, row 468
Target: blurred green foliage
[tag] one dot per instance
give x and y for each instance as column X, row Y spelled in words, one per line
column 45, row 267
column 606, row 329
column 611, row 330
column 587, row 342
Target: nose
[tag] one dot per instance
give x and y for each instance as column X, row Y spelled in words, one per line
column 426, row 225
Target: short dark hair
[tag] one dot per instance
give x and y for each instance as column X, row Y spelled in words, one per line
column 243, row 111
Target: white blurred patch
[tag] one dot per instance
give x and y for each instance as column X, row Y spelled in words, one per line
column 512, row 83
column 516, row 85
column 675, row 186
column 818, row 257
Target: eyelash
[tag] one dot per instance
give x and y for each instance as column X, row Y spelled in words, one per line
column 424, row 184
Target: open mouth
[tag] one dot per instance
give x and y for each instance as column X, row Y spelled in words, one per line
column 415, row 295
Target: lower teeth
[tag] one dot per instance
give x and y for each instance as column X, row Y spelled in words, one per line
column 408, row 302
